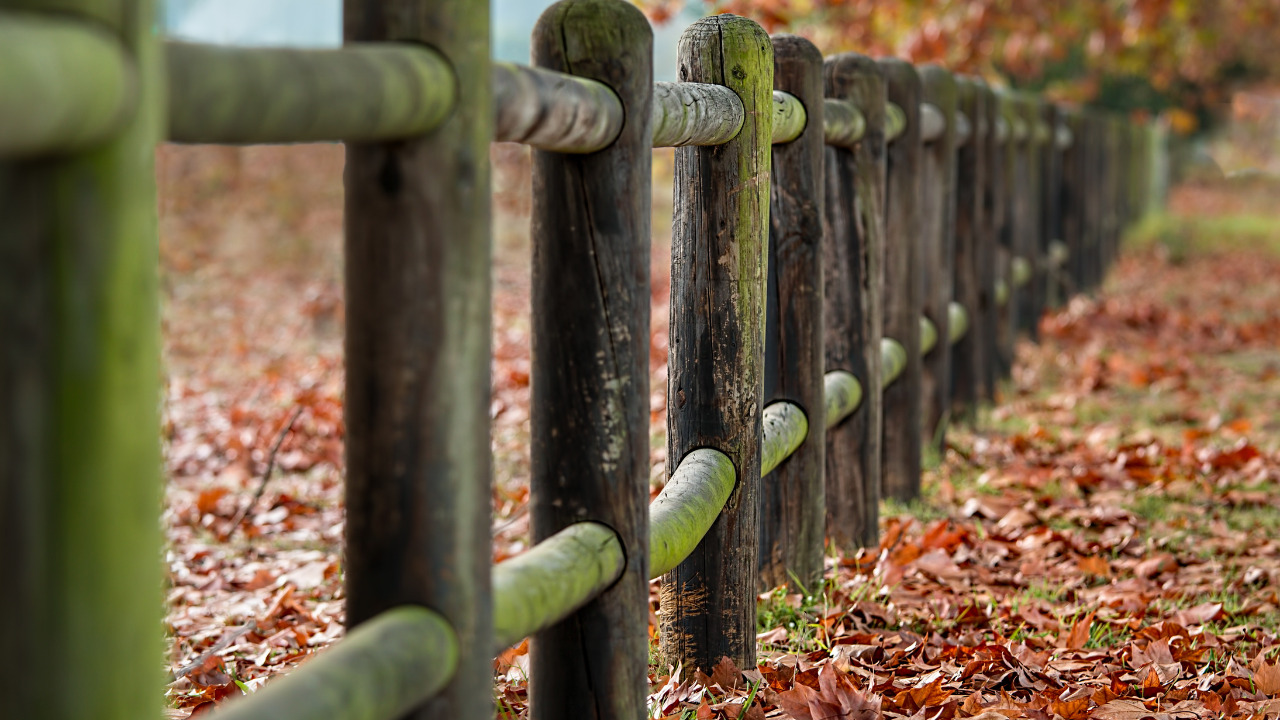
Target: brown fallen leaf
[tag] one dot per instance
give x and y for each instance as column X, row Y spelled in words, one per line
column 836, row 699
column 1267, row 678
column 1094, row 565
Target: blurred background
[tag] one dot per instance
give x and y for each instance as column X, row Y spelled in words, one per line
column 251, row 238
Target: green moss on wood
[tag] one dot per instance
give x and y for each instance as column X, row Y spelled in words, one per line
column 789, row 117
column 957, row 321
column 785, row 428
column 895, row 121
column 552, row 110
column 538, row 588
column 893, row 360
column 928, row 336
column 933, row 123
column 844, row 124
column 695, row 114
column 843, row 396
column 379, row 671
column 79, row 428
column 361, row 92
column 65, row 85
column 1020, row 271
column 686, row 508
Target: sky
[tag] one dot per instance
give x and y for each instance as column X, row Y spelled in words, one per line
column 318, row 23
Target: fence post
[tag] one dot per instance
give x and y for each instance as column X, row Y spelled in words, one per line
column 903, row 286
column 988, row 240
column 79, row 386
column 1051, row 292
column 971, row 179
column 938, row 208
column 1071, row 201
column 590, row 393
column 1013, row 182
column 853, row 250
column 417, row 352
column 1028, row 243
column 715, row 371
column 793, row 507
column 1091, row 188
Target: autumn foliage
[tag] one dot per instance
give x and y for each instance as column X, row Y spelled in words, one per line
column 1130, row 54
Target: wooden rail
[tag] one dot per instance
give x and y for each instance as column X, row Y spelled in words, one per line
column 856, row 245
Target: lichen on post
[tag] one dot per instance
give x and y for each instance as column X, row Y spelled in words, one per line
column 715, row 380
column 590, row 393
column 80, row 482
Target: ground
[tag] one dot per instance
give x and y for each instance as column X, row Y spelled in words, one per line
column 1102, row 542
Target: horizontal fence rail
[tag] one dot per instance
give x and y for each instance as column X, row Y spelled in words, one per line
column 856, row 246
column 376, row 91
column 65, row 85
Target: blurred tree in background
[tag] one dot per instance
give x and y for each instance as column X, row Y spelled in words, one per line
column 1180, row 56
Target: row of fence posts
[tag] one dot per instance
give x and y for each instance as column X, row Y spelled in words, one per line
column 856, row 245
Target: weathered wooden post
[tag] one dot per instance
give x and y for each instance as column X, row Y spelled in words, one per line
column 1051, row 291
column 1028, row 242
column 417, row 351
column 793, row 508
column 590, row 389
column 938, row 210
column 715, row 378
column 967, row 378
column 1071, row 199
column 1011, row 150
column 993, row 216
column 1111, row 200
column 903, row 286
column 79, row 370
column 853, row 249
column 79, row 385
column 1091, row 189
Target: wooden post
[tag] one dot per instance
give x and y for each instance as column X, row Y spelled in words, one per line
column 1028, row 241
column 417, row 351
column 1053, row 291
column 1071, row 202
column 903, row 286
column 590, row 392
column 988, row 241
column 853, row 250
column 938, row 209
column 1012, row 180
column 793, row 507
column 966, row 355
column 80, row 458
column 1086, row 138
column 715, row 376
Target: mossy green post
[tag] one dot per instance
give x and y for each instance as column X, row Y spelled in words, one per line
column 716, row 377
column 80, row 618
column 65, row 85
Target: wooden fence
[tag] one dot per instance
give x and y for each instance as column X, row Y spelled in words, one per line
column 856, row 245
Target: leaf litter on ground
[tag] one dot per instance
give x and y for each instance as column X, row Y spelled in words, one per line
column 1102, row 543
